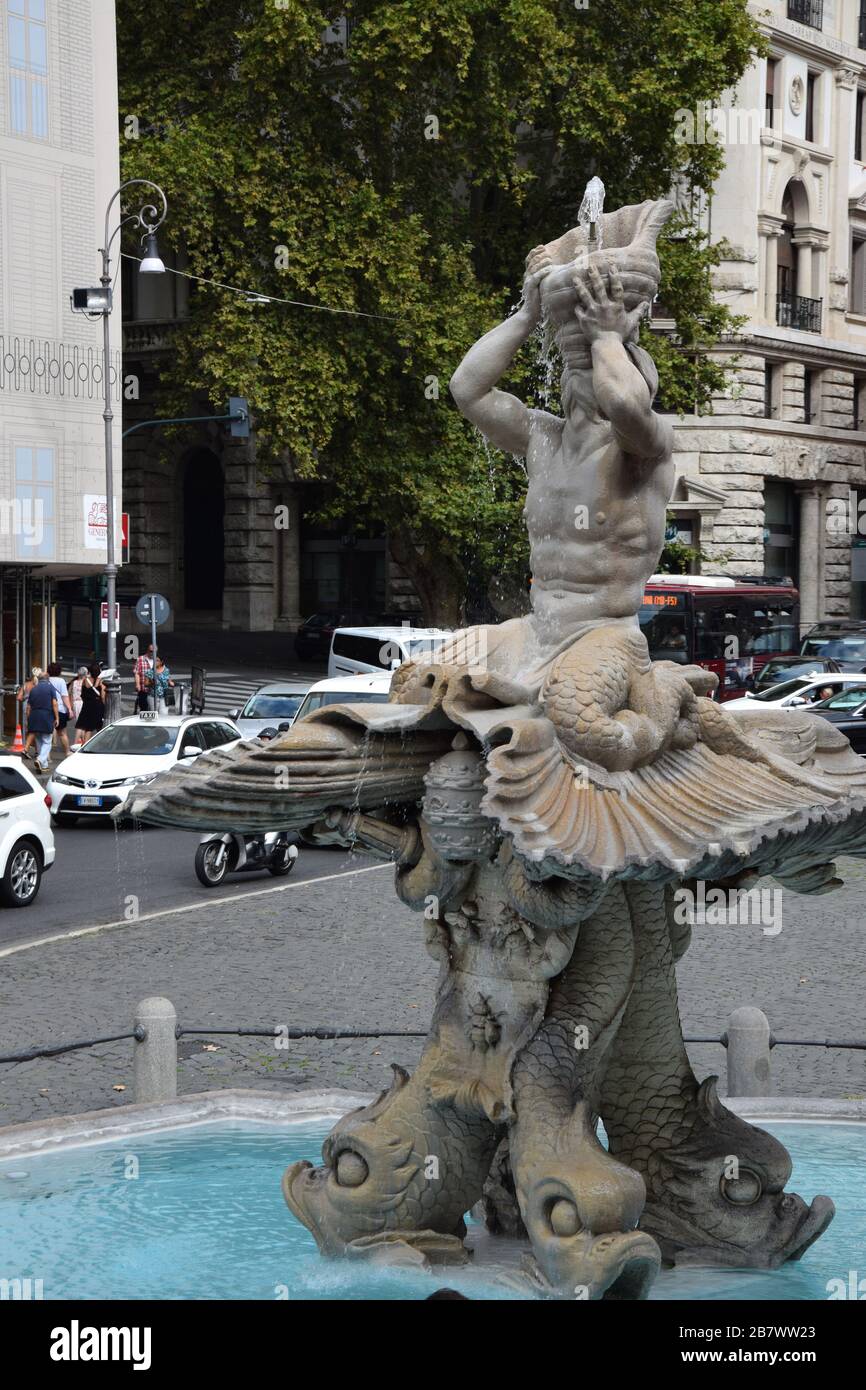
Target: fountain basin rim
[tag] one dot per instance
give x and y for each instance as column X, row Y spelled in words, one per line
column 264, row 1107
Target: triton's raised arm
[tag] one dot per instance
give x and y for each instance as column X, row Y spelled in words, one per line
column 621, row 392
column 501, row 417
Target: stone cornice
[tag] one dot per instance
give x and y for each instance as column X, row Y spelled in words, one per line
column 792, row 37
column 814, row 351
column 759, row 424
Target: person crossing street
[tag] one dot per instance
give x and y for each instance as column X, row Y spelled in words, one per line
column 43, row 717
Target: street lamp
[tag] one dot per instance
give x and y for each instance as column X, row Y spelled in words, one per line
column 98, row 301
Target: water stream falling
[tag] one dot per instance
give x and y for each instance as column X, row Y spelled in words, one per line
column 590, row 212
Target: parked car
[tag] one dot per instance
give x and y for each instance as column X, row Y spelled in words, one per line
column 783, row 668
column 797, row 692
column 847, row 711
column 346, row 690
column 270, row 707
column 844, row 640
column 373, row 649
column 26, row 841
column 99, row 777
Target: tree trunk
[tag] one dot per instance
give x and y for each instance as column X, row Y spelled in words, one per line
column 438, row 578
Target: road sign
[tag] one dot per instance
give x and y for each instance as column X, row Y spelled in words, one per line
column 152, row 609
column 240, row 425
column 103, row 617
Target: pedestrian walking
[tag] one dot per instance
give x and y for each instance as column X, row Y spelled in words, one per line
column 163, row 681
column 23, row 709
column 75, row 691
column 93, row 697
column 143, row 674
column 55, row 675
column 43, row 717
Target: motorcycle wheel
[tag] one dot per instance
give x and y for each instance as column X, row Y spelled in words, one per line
column 282, row 862
column 208, row 871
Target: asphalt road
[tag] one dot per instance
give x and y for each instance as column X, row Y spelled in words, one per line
column 105, row 874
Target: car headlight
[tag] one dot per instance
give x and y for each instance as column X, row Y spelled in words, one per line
column 131, row 781
column 60, row 777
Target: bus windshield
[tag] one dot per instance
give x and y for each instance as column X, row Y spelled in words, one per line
column 666, row 623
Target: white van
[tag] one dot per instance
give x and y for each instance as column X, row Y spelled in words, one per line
column 381, row 648
column 346, row 690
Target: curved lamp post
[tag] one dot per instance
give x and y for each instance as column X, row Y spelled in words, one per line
column 94, row 302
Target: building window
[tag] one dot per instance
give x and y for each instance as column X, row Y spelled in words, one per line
column 33, row 516
column 27, row 34
column 858, row 125
column 772, row 378
column 812, row 396
column 861, row 37
column 770, row 91
column 858, row 274
column 780, row 530
column 858, row 421
column 811, row 110
column 809, row 12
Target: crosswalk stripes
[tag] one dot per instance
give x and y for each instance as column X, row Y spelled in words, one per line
column 221, row 695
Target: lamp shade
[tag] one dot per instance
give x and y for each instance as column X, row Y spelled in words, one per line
column 151, row 262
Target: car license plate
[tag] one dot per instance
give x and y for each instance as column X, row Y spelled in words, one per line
column 88, row 801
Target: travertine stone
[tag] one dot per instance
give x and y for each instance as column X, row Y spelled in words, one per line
column 545, row 791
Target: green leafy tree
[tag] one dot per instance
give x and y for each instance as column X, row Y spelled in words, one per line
column 403, row 177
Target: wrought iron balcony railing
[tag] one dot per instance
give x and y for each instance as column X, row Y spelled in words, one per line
column 809, row 12
column 795, row 311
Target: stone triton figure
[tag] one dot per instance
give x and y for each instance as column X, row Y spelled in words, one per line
column 599, row 479
column 542, row 789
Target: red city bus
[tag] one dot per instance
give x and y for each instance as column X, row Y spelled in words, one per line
column 730, row 626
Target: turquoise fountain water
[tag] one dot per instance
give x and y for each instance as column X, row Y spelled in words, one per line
column 197, row 1213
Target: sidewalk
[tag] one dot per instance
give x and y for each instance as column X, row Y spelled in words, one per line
column 346, row 953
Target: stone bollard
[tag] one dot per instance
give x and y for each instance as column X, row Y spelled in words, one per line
column 113, row 708
column 155, row 1059
column 748, row 1053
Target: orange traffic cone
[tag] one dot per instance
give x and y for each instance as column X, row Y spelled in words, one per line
column 18, row 745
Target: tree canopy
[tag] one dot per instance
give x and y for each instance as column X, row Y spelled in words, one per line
column 403, row 175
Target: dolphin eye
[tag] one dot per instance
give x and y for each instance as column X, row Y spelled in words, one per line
column 563, row 1217
column 742, row 1191
column 350, row 1169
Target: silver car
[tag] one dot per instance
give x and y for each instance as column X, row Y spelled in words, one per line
column 271, row 706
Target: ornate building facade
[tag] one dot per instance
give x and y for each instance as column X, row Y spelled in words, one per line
column 770, row 483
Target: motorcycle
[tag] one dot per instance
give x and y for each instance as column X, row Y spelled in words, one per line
column 233, row 853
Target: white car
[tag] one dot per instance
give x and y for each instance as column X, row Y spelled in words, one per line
column 373, row 649
column 271, row 706
column 346, row 690
column 26, row 841
column 96, row 779
column 798, row 692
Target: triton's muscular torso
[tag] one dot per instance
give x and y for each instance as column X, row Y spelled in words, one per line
column 596, row 519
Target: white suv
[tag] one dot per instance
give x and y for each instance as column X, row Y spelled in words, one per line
column 26, row 841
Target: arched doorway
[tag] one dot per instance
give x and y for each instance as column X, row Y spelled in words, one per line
column 203, row 538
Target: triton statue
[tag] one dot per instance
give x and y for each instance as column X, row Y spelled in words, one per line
column 543, row 788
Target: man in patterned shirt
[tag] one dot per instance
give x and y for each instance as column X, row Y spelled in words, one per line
column 143, row 672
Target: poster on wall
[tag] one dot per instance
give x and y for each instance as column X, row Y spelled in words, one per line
column 95, row 513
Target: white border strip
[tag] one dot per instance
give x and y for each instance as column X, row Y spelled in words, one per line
column 269, row 1107
column 186, row 907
